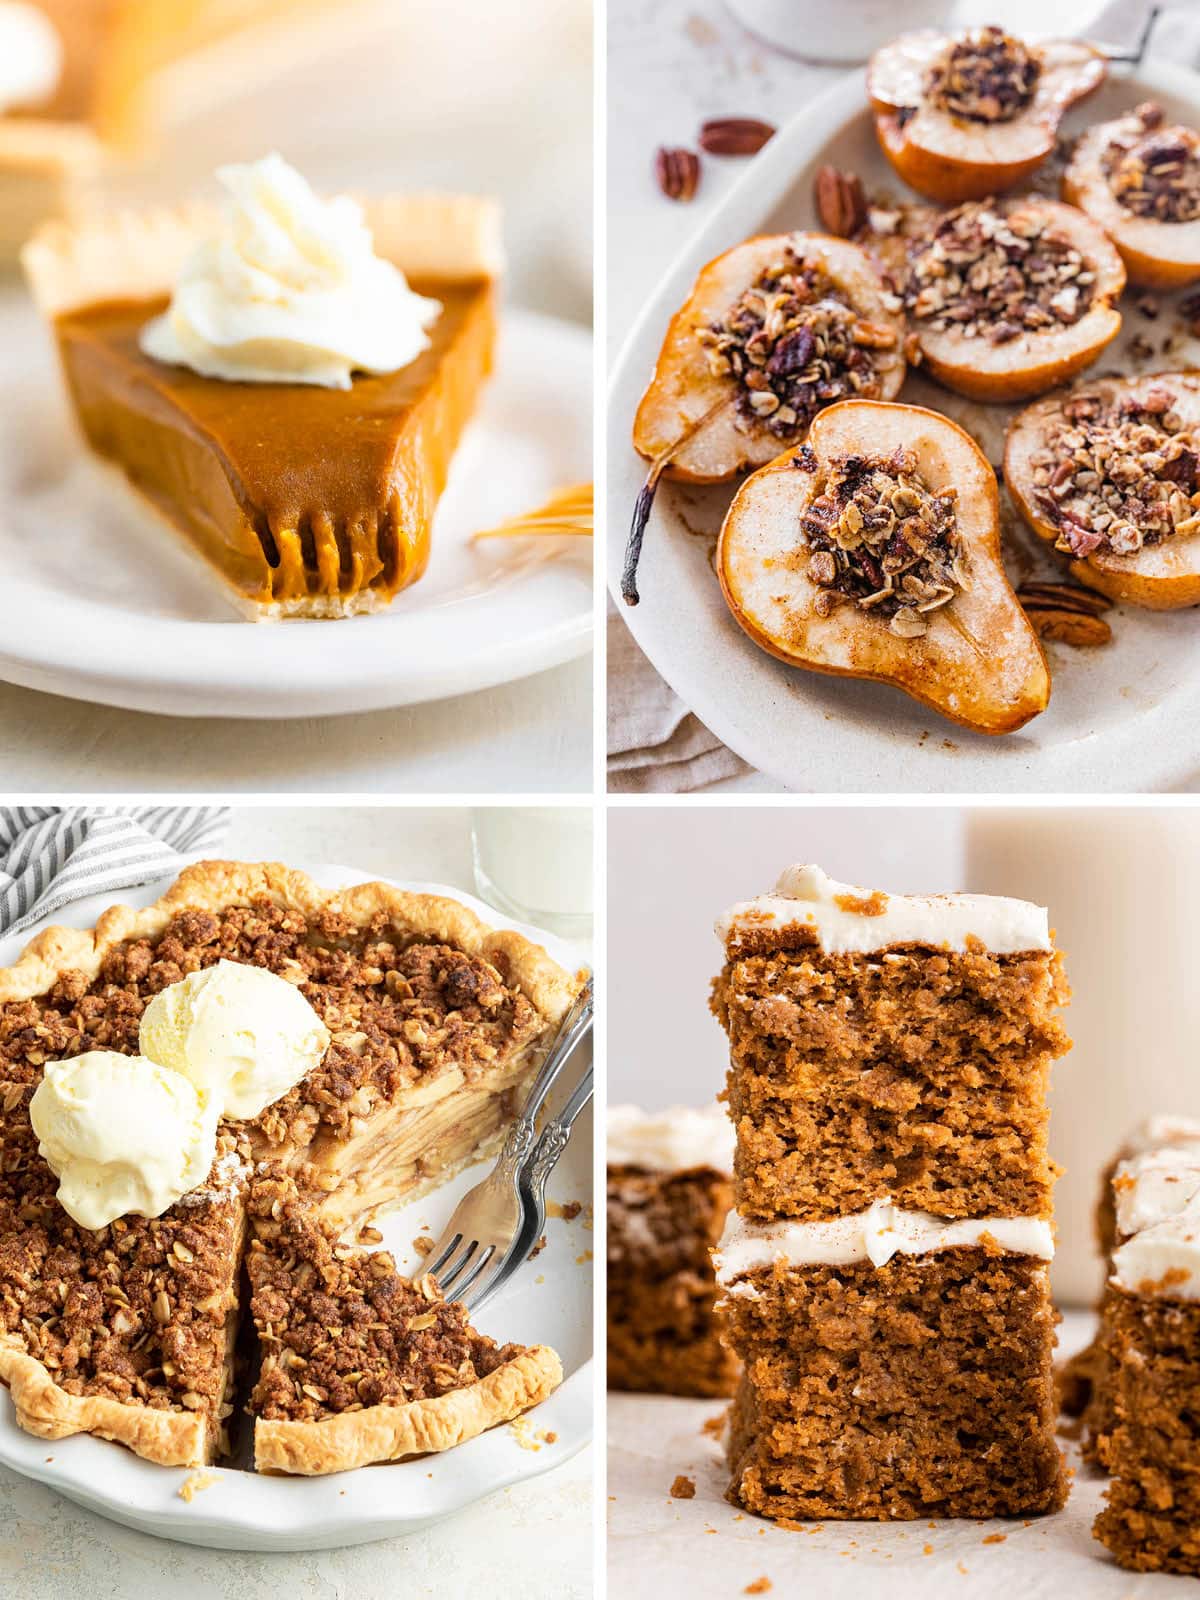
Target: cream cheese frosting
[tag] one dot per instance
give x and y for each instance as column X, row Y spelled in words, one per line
column 851, row 920
column 672, row 1140
column 877, row 1234
column 122, row 1134
column 290, row 292
column 31, row 56
column 1156, row 1195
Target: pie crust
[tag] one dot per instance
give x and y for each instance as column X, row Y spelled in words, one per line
column 372, row 910
column 306, row 501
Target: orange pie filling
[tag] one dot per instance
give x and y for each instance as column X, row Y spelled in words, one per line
column 306, row 500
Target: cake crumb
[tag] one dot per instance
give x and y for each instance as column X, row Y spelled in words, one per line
column 538, row 1248
column 585, row 1257
column 995, row 1538
column 568, row 1212
column 684, row 1488
column 928, row 1550
column 964, row 1570
column 370, row 1235
column 541, row 1278
column 422, row 1244
column 759, row 1586
column 192, row 1485
column 713, row 1425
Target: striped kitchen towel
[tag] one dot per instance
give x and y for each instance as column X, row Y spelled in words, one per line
column 51, row 855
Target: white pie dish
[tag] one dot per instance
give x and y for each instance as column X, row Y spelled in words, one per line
column 1124, row 717
column 548, row 1301
column 113, row 608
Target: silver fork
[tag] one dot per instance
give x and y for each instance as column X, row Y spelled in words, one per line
column 552, row 1141
column 489, row 1219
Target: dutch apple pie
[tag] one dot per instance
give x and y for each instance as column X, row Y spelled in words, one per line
column 436, row 1024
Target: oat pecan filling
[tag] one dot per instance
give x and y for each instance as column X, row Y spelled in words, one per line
column 985, row 76
column 339, row 1328
column 793, row 343
column 135, row 1312
column 1158, row 174
column 882, row 540
column 1118, row 477
column 397, row 1011
column 996, row 270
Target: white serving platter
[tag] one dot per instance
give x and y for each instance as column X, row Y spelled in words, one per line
column 102, row 602
column 549, row 1301
column 1124, row 717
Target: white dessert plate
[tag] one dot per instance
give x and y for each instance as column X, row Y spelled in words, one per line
column 1123, row 717
column 102, row 602
column 549, row 1301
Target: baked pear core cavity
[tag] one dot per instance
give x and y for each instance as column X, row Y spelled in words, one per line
column 872, row 550
column 1110, row 475
column 772, row 332
column 963, row 116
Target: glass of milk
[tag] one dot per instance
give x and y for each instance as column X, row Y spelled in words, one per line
column 1122, row 884
column 535, row 863
column 846, row 32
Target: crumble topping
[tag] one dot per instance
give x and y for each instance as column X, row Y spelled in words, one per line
column 997, row 269
column 1155, row 173
column 340, row 1328
column 882, row 540
column 986, row 75
column 794, row 343
column 135, row 1311
column 1118, row 475
column 396, row 1011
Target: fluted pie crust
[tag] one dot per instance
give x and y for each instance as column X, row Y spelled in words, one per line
column 306, row 501
column 462, row 990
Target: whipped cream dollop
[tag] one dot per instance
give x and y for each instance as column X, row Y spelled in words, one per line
column 31, row 56
column 122, row 1135
column 877, row 1234
column 672, row 1140
column 1156, row 1196
column 242, row 1035
column 851, row 920
column 290, row 291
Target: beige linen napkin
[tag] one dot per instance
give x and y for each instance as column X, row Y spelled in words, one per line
column 655, row 744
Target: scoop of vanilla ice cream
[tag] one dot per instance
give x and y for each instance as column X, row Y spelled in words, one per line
column 241, row 1034
column 121, row 1134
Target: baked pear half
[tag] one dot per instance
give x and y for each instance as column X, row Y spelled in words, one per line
column 965, row 115
column 1007, row 299
column 1139, row 179
column 872, row 550
column 772, row 332
column 1110, row 475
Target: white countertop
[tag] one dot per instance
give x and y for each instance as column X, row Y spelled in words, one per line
column 708, row 1549
column 530, row 1541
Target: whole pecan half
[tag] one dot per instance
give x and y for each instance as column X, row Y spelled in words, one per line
column 678, row 172
column 734, row 136
column 1068, row 626
column 840, row 201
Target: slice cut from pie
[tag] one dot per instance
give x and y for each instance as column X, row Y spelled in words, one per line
column 438, row 1022
column 359, row 1364
column 307, row 501
column 125, row 1331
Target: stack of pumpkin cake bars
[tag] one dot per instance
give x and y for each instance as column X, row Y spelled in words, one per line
column 885, row 1269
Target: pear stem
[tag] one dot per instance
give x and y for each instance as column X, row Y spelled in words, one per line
column 645, row 499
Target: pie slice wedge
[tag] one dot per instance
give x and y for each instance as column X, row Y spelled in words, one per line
column 307, row 502
column 125, row 1331
column 359, row 1364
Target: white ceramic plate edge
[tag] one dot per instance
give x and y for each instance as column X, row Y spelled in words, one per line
column 1162, row 763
